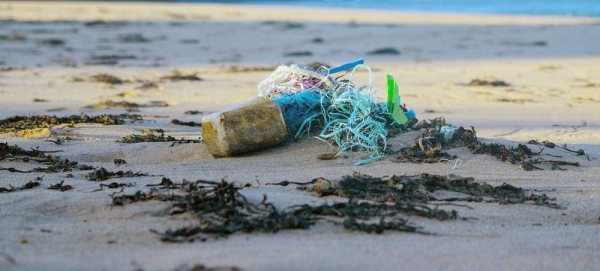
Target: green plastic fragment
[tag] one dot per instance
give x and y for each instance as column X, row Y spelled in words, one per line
column 394, row 101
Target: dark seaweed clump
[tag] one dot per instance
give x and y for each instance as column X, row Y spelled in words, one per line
column 419, row 189
column 28, row 185
column 149, row 136
column 185, row 123
column 54, row 163
column 19, row 123
column 103, row 174
column 431, row 145
column 373, row 205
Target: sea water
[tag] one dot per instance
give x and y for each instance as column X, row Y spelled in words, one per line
column 587, row 8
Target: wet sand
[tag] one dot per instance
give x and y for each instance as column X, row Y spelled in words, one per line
column 49, row 53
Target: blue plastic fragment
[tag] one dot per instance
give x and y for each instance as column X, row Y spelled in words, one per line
column 346, row 66
column 410, row 114
column 448, row 132
column 367, row 161
column 299, row 108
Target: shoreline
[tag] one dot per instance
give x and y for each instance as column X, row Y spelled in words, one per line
column 236, row 12
column 404, row 10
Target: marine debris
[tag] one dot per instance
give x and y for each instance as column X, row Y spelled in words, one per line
column 436, row 137
column 348, row 116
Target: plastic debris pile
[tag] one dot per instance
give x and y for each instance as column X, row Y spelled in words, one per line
column 348, row 115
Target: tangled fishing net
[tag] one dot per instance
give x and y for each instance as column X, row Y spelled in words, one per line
column 293, row 79
column 348, row 115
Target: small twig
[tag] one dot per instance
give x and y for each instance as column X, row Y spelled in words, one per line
column 57, row 142
column 8, row 258
column 578, row 152
column 452, row 204
column 44, row 152
column 286, row 183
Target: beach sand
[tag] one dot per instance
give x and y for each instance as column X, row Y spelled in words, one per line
column 48, row 51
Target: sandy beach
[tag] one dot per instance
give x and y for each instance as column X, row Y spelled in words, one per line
column 185, row 61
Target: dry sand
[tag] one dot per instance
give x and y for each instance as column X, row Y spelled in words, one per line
column 552, row 64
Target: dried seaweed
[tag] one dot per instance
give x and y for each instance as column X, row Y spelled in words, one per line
column 298, row 53
column 114, row 185
column 131, row 107
column 110, row 60
column 419, row 189
column 552, row 145
column 107, row 78
column 55, row 163
column 431, row 123
column 285, row 25
column 51, row 42
column 180, row 76
column 15, row 152
column 238, row 68
column 11, row 69
column 133, row 38
column 193, row 112
column 118, row 161
column 384, row 51
column 60, row 187
column 222, row 210
column 121, row 200
column 374, row 204
column 493, row 83
column 430, row 145
column 58, row 165
column 166, row 183
column 202, row 267
column 103, row 174
column 516, row 101
column 19, row 123
column 28, row 185
column 521, row 155
column 10, row 259
column 185, row 123
column 149, row 136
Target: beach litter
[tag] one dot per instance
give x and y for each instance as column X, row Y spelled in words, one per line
column 296, row 101
column 250, row 126
column 349, row 116
column 304, row 99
